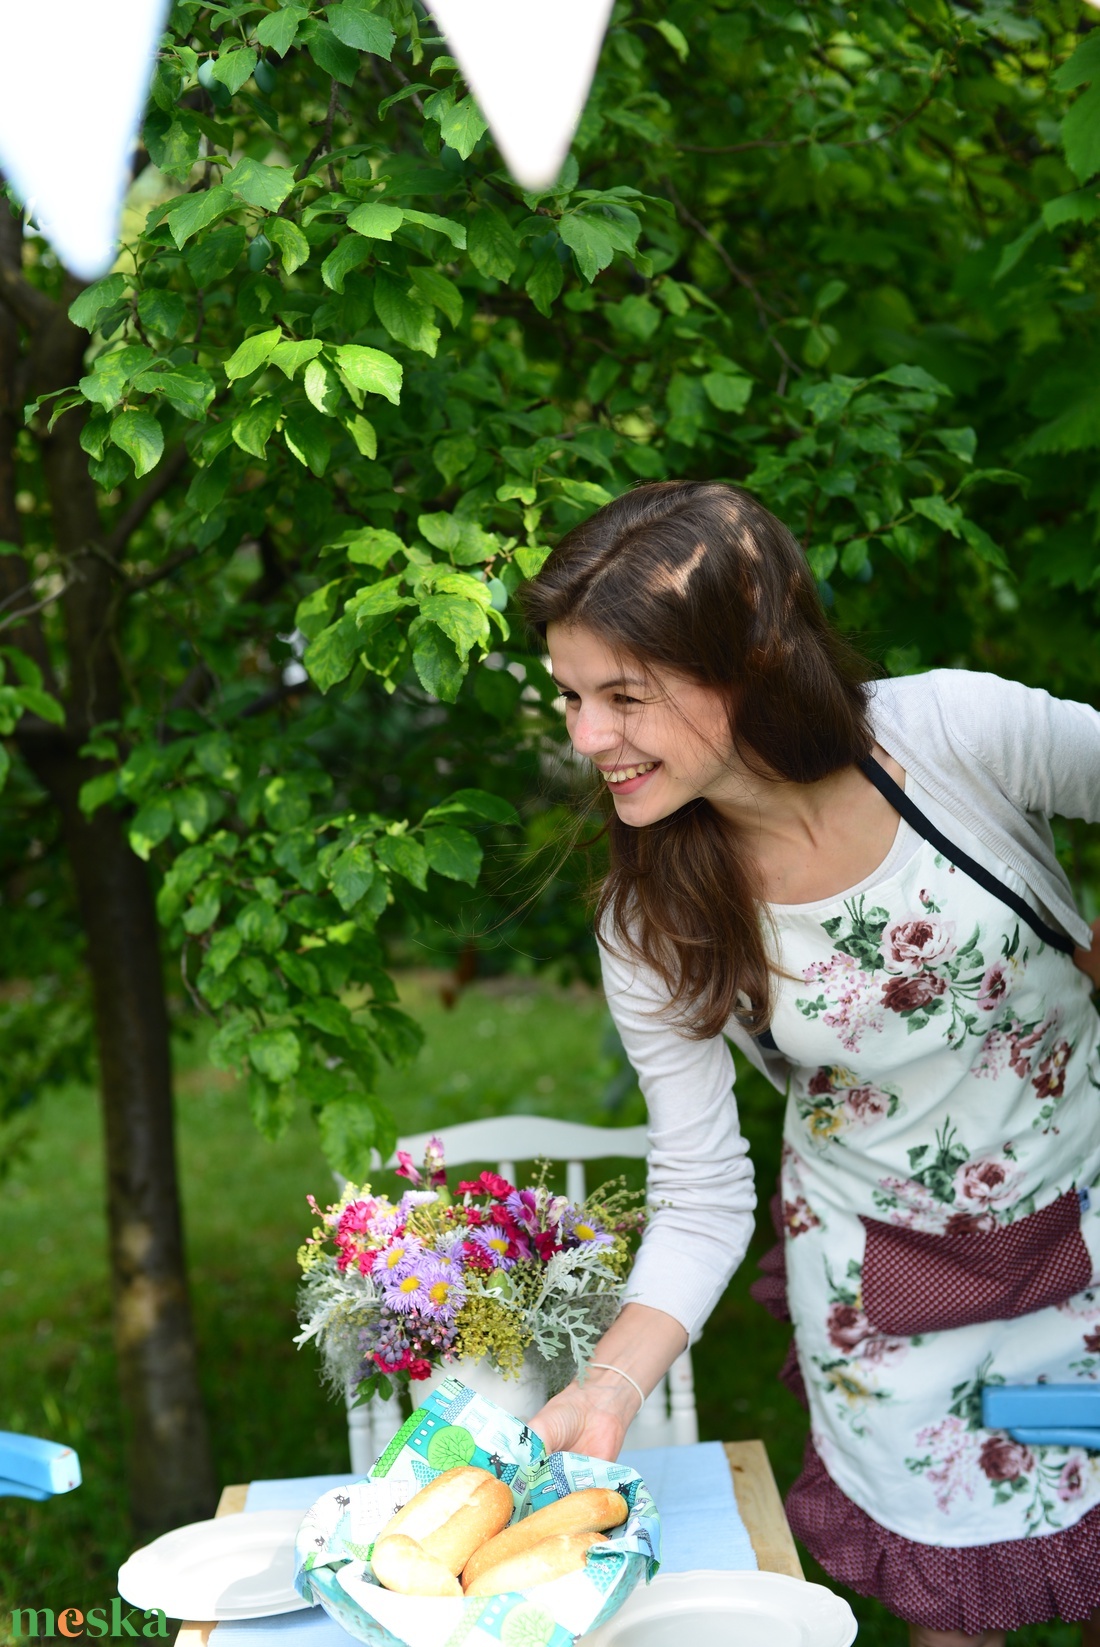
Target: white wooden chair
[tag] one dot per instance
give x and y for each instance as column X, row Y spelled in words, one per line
column 668, row 1417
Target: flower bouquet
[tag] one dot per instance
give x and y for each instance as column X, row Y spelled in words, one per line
column 393, row 1291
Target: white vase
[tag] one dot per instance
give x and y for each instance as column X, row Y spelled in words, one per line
column 522, row 1396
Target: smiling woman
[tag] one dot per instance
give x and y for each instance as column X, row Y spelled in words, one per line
column 855, row 883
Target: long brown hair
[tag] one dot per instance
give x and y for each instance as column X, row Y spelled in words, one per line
column 699, row 578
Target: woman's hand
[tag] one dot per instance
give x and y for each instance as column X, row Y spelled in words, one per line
column 1089, row 959
column 593, row 1420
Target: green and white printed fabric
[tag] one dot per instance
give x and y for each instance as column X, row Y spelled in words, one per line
column 456, row 1426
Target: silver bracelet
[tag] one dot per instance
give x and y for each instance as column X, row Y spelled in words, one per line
column 605, row 1366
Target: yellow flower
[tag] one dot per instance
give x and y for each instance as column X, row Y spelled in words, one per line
column 825, row 1121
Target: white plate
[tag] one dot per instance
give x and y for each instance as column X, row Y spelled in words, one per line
column 237, row 1566
column 715, row 1609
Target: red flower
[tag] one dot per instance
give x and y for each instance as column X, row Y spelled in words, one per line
column 487, row 1183
column 420, row 1369
column 907, row 994
column 1092, row 1341
column 392, row 1366
column 1005, row 1460
column 546, row 1245
column 847, row 1326
column 970, row 1223
column 821, row 1082
column 798, row 1216
column 477, row 1258
column 367, row 1260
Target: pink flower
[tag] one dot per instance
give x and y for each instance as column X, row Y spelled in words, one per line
column 910, row 946
column 1003, row 1459
column 907, row 994
column 970, row 1223
column 405, row 1167
column 994, row 987
column 1071, row 1482
column 990, row 1183
column 847, row 1327
column 821, row 1081
column 867, row 1104
column 1050, row 1082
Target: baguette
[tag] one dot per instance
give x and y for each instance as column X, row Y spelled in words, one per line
column 550, row 1558
column 454, row 1514
column 400, row 1564
column 593, row 1510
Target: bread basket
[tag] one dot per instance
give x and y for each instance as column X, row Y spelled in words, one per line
column 457, row 1426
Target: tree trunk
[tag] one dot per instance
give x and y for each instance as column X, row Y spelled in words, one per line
column 168, row 1453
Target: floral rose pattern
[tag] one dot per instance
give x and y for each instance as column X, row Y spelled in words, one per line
column 944, row 1077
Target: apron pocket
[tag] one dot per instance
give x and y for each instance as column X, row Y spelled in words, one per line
column 914, row 1282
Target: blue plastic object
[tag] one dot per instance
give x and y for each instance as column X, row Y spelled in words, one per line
column 33, row 1468
column 1053, row 1415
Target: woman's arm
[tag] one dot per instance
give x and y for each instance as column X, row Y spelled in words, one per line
column 594, row 1417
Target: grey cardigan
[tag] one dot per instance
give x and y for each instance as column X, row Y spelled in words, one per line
column 1001, row 758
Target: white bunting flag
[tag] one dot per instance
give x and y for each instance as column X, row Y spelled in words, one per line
column 74, row 76
column 529, row 63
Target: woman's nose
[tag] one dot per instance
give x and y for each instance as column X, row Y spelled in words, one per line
column 594, row 731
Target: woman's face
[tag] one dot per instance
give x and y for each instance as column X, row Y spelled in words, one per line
column 659, row 739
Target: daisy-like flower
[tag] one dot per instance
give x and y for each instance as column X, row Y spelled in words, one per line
column 398, row 1257
column 584, row 1231
column 494, row 1240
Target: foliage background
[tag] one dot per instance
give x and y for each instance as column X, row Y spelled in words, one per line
column 283, row 470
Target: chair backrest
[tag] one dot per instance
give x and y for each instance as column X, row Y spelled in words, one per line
column 507, row 1139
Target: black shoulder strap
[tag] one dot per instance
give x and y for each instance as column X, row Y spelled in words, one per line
column 924, row 826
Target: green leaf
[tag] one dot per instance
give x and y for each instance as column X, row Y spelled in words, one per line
column 493, row 248
column 1081, row 133
column 375, row 220
column 289, row 356
column 728, row 393
column 462, row 539
column 331, row 55
column 112, row 374
column 404, row 315
column 253, row 428
column 1082, row 67
column 462, row 620
column 440, row 291
column 374, row 546
column 152, row 825
column 278, row 29
column 947, row 516
column 322, row 387
column 912, row 377
column 271, row 1106
column 363, row 433
column 454, row 853
column 453, row 454
column 203, row 912
column 291, row 242
column 233, row 67
column 347, row 1128
column 96, row 792
column 139, row 435
column 259, row 924
column 674, row 36
column 253, row 353
column 370, row 370
column 462, row 127
column 259, row 185
column 356, row 26
column 95, row 300
column 173, row 141
column 984, row 546
column 189, row 213
column 306, row 436
column 405, row 856
column 454, row 232
column 329, row 657
column 438, row 666
column 330, row 1017
column 352, row 875
column 188, row 389
column 477, row 803
column 349, row 253
column 216, row 255
column 378, row 599
column 224, row 948
column 275, row 1053
column 961, row 443
column 544, row 282
column 589, row 241
column 161, row 311
column 40, row 703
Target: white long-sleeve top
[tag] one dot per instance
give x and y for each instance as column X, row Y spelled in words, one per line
column 1000, row 758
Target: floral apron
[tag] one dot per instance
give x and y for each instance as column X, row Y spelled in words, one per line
column 942, row 1135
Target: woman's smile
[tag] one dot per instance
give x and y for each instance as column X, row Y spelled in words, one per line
column 627, row 777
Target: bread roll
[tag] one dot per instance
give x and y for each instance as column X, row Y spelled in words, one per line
column 454, row 1514
column 592, row 1510
column 400, row 1564
column 550, row 1558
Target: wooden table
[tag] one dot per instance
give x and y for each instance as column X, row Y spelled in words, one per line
column 757, row 1499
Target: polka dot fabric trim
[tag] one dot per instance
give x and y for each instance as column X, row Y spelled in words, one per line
column 987, row 1587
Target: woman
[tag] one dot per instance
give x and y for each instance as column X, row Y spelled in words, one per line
column 909, row 982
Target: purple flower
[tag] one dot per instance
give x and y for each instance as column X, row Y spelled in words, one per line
column 495, row 1241
column 576, row 1227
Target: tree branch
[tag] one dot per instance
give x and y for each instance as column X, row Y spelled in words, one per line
column 131, row 518
column 134, row 586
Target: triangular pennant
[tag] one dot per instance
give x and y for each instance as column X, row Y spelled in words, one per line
column 74, row 75
column 529, row 63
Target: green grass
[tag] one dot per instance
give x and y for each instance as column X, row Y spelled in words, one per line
column 507, row 1046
